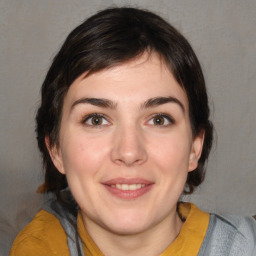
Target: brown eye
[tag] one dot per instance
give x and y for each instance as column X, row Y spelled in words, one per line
column 95, row 120
column 161, row 120
column 158, row 120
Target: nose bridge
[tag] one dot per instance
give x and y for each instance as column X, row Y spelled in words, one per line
column 129, row 147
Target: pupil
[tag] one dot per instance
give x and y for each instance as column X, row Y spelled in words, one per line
column 159, row 120
column 96, row 120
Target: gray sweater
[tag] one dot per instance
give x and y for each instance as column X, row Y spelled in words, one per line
column 225, row 236
column 231, row 235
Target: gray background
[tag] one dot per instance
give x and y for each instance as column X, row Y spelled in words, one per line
column 222, row 33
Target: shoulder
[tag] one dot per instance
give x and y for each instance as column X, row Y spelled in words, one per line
column 44, row 235
column 230, row 235
column 240, row 227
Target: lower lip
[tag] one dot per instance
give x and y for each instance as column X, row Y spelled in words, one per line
column 129, row 194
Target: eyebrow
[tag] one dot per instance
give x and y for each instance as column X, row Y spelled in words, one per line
column 150, row 103
column 99, row 102
column 157, row 101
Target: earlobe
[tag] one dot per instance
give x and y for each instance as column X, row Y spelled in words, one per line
column 55, row 155
column 196, row 151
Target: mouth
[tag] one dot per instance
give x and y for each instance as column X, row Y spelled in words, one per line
column 128, row 188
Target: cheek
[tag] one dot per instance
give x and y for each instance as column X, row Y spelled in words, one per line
column 171, row 153
column 82, row 154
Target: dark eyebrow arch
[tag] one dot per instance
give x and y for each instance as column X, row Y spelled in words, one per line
column 104, row 103
column 157, row 101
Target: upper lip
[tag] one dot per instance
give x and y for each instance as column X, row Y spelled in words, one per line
column 128, row 181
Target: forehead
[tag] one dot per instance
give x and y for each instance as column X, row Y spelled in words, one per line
column 146, row 76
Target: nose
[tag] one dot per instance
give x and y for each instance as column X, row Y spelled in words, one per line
column 129, row 146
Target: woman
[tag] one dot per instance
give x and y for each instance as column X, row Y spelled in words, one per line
column 124, row 126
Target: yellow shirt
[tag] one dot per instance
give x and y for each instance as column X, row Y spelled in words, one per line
column 44, row 236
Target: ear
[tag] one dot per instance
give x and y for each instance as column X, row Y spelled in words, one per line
column 55, row 155
column 196, row 150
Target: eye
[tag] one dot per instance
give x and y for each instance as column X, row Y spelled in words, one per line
column 95, row 120
column 161, row 120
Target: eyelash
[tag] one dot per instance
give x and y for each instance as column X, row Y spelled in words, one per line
column 102, row 117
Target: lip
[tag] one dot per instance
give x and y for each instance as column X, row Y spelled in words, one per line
column 128, row 194
column 128, row 181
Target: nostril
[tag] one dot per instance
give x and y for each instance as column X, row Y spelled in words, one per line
column 129, row 159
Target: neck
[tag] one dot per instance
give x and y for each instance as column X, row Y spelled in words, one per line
column 150, row 242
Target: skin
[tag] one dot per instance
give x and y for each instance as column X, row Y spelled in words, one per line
column 128, row 138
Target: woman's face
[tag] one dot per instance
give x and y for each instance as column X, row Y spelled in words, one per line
column 126, row 145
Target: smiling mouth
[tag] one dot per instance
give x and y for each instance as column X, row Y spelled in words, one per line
column 128, row 189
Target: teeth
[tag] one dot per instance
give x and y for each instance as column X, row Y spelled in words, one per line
column 128, row 186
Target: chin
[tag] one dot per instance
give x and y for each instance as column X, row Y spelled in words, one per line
column 124, row 229
column 128, row 224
